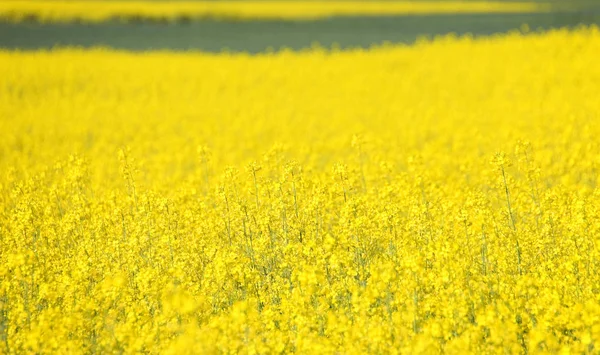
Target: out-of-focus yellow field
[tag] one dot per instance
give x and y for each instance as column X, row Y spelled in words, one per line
column 442, row 197
column 103, row 10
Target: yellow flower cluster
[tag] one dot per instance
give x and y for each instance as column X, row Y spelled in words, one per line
column 443, row 197
column 102, row 10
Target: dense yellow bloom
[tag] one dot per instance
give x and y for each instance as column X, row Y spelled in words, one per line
column 102, row 10
column 438, row 197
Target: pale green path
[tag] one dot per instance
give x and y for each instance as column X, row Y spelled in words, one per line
column 257, row 36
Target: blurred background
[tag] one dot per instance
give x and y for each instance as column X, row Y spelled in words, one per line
column 258, row 35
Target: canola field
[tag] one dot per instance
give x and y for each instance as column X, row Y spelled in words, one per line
column 104, row 10
column 436, row 198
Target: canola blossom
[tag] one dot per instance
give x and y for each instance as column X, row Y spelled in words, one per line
column 103, row 10
column 436, row 198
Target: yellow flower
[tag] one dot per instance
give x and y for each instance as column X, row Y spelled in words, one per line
column 121, row 231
